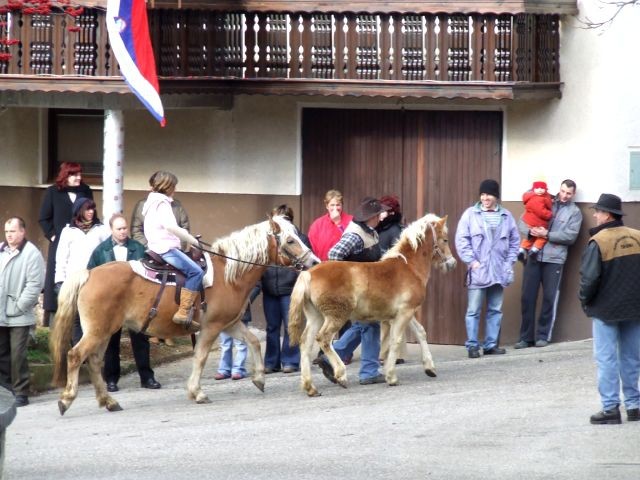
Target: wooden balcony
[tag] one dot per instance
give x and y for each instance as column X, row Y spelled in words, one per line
column 208, row 51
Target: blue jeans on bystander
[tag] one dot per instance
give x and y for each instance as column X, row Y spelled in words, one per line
column 370, row 351
column 476, row 297
column 616, row 349
column 276, row 312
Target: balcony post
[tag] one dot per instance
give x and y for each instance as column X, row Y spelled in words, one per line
column 113, row 160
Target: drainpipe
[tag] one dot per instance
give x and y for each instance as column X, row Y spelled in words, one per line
column 113, row 160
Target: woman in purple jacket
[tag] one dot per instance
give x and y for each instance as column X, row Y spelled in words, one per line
column 487, row 240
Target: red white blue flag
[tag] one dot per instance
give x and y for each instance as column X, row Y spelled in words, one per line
column 129, row 37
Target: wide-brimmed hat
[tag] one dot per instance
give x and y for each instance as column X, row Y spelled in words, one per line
column 369, row 207
column 609, row 202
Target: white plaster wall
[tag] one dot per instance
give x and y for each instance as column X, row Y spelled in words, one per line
column 588, row 134
column 251, row 149
column 20, row 159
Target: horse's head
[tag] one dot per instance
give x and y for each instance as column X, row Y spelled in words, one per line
column 291, row 249
column 441, row 250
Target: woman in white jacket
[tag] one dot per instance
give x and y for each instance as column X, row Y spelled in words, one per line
column 77, row 242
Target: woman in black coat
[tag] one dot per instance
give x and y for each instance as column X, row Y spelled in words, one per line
column 55, row 214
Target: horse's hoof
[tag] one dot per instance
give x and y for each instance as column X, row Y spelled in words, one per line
column 259, row 384
column 62, row 407
column 114, row 407
column 202, row 399
column 430, row 372
column 393, row 384
column 314, row 393
column 342, row 383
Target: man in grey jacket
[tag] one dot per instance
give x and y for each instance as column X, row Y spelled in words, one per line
column 21, row 281
column 546, row 269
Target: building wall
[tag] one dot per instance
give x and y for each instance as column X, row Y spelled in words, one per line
column 588, row 134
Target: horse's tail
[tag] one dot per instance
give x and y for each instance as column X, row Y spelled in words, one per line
column 60, row 340
column 298, row 297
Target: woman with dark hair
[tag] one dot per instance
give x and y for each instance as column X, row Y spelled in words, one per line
column 77, row 242
column 55, row 213
column 277, row 284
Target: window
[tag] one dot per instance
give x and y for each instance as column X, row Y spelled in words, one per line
column 76, row 136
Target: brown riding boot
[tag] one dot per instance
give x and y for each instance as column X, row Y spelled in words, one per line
column 187, row 297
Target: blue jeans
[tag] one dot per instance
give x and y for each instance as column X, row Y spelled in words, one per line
column 226, row 353
column 476, row 297
column 276, row 312
column 616, row 349
column 191, row 270
column 370, row 351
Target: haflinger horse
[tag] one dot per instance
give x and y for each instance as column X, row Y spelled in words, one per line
column 112, row 296
column 390, row 290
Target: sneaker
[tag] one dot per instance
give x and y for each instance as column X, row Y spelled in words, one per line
column 533, row 255
column 270, row 370
column 523, row 344
column 327, row 369
column 495, row 351
column 221, row 376
column 633, row 414
column 289, row 369
column 541, row 343
column 22, row 400
column 370, row 381
column 607, row 417
column 238, row 376
column 474, row 352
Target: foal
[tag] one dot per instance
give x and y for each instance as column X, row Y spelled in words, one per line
column 390, row 290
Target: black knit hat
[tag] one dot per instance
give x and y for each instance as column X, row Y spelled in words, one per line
column 490, row 187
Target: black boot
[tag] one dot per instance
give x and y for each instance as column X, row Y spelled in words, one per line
column 607, row 417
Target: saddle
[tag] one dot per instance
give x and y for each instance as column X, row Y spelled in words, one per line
column 167, row 273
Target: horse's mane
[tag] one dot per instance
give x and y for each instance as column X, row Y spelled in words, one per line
column 412, row 236
column 251, row 244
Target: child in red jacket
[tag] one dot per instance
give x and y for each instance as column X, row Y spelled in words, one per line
column 537, row 213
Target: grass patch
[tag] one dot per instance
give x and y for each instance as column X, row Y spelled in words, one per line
column 38, row 350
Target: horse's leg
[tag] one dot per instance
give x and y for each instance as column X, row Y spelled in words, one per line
column 96, row 361
column 307, row 348
column 397, row 326
column 240, row 331
column 206, row 337
column 421, row 335
column 85, row 347
column 384, row 340
column 330, row 326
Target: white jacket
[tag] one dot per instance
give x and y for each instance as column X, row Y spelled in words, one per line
column 75, row 248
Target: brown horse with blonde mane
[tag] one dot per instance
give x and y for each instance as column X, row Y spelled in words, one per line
column 113, row 296
column 390, row 290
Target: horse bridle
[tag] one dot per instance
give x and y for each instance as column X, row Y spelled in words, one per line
column 296, row 263
column 436, row 247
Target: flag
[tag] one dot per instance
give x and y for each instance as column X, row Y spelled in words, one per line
column 129, row 37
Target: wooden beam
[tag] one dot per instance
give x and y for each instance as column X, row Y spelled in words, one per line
column 568, row 7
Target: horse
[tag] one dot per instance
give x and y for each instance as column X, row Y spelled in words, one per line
column 390, row 290
column 113, row 296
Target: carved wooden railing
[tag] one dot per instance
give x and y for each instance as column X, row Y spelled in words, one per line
column 334, row 47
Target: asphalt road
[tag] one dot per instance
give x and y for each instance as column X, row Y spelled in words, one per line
column 523, row 415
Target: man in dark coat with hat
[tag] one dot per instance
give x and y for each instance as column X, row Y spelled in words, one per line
column 359, row 243
column 609, row 278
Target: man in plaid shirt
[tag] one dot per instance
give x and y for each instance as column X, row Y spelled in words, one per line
column 359, row 243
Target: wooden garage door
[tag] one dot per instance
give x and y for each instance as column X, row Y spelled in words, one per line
column 433, row 160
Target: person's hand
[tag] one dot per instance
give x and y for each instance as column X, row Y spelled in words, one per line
column 539, row 232
column 475, row 265
column 334, row 214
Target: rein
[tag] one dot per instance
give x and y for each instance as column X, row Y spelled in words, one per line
column 297, row 262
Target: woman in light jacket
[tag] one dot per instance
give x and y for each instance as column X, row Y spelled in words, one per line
column 77, row 242
column 487, row 240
